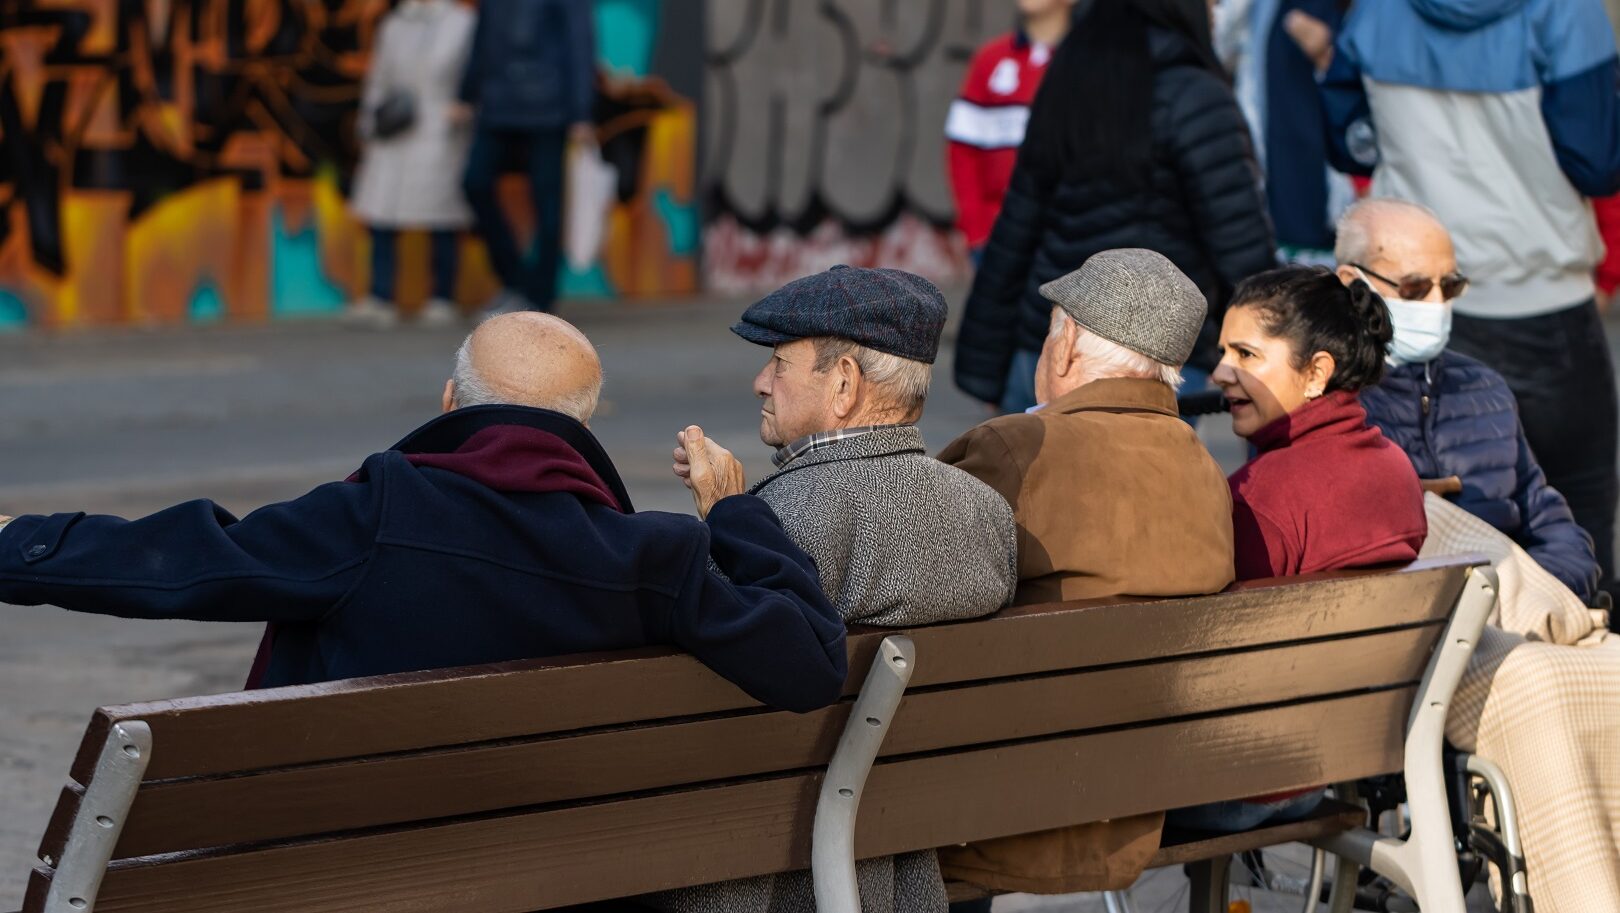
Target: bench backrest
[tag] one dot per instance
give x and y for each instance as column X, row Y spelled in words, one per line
column 526, row 786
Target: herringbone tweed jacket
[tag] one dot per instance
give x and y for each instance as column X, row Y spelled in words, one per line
column 900, row 539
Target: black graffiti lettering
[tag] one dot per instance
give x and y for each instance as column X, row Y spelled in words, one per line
column 833, row 109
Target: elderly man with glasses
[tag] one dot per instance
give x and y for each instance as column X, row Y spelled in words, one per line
column 1454, row 416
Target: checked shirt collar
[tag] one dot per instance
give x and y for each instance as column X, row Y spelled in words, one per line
column 810, row 443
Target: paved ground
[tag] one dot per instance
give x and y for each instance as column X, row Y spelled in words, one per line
column 129, row 422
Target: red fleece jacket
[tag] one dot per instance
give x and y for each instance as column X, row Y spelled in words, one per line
column 1327, row 491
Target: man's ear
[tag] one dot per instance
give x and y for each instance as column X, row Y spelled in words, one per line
column 1347, row 274
column 1063, row 349
column 449, row 401
column 847, row 382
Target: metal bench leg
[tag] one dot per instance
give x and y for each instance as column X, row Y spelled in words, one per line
column 1425, row 864
column 1211, row 885
column 1117, row 902
column 102, row 812
column 832, row 849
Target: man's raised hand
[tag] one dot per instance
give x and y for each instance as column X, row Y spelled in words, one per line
column 707, row 468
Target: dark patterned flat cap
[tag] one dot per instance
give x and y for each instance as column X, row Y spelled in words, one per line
column 1136, row 298
column 888, row 310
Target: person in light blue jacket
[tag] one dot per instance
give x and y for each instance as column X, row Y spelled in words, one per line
column 1503, row 117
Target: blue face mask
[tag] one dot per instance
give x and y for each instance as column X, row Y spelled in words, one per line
column 1422, row 329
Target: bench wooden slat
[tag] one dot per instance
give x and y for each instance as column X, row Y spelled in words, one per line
column 547, row 858
column 336, row 720
column 183, row 815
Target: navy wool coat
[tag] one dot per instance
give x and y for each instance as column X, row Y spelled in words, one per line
column 1456, row 417
column 492, row 533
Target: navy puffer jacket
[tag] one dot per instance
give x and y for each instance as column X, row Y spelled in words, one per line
column 1203, row 210
column 1456, row 417
column 533, row 64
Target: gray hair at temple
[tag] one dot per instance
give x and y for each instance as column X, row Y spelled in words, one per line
column 902, row 382
column 1101, row 359
column 1355, row 227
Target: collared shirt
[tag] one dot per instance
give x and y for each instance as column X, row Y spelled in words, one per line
column 787, row 453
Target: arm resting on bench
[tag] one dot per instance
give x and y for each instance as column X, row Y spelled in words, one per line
column 768, row 628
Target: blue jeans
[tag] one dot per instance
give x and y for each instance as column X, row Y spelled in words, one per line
column 1019, row 394
column 385, row 262
column 542, row 155
column 1242, row 815
column 1193, row 380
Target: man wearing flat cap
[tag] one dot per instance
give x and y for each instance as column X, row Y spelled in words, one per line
column 899, row 538
column 1114, row 495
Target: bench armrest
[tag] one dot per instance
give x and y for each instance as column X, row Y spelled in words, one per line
column 832, row 848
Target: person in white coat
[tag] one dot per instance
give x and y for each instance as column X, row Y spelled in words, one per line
column 415, row 150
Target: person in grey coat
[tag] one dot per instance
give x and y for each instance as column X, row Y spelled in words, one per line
column 898, row 537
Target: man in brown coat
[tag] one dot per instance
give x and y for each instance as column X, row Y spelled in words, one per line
column 1113, row 495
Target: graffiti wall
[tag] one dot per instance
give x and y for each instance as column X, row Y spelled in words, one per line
column 183, row 160
column 823, row 141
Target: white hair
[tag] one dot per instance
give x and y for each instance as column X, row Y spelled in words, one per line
column 902, row 381
column 469, row 389
column 1354, row 235
column 1101, row 358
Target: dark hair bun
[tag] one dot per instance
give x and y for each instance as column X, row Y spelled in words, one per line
column 1370, row 309
column 1311, row 308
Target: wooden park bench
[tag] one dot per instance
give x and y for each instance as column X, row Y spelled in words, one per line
column 527, row 786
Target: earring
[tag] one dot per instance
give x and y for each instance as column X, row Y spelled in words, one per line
column 1312, row 394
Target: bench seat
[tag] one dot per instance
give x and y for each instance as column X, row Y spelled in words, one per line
column 526, row 786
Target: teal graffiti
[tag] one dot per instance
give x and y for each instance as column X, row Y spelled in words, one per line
column 297, row 284
column 591, row 283
column 206, row 305
column 13, row 313
column 626, row 32
column 680, row 223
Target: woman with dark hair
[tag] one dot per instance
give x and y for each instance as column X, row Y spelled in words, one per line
column 1134, row 140
column 1325, row 490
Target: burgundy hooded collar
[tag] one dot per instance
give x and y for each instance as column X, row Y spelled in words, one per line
column 507, row 448
column 517, row 449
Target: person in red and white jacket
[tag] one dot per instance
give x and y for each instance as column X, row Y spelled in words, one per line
column 985, row 126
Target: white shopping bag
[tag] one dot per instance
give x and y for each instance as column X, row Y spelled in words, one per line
column 592, row 184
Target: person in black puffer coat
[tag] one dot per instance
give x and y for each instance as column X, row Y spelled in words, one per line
column 1134, row 140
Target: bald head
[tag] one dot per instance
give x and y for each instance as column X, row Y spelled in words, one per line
column 1394, row 238
column 527, row 359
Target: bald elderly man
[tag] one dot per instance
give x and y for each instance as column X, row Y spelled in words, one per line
column 497, row 531
column 1454, row 416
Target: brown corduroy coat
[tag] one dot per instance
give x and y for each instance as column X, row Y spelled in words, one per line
column 1113, row 495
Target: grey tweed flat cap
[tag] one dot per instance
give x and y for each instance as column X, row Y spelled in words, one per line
column 1136, row 298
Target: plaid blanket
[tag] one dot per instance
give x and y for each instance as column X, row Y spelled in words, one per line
column 1541, row 698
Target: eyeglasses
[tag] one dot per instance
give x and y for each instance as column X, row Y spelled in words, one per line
column 1417, row 288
